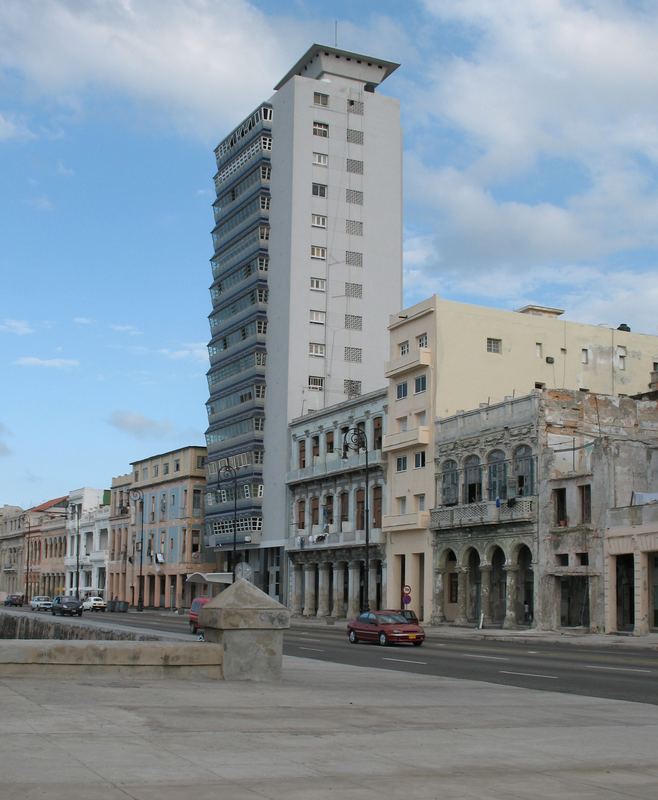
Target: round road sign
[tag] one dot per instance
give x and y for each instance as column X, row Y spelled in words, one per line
column 406, row 589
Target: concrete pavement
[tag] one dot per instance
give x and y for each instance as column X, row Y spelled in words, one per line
column 324, row 730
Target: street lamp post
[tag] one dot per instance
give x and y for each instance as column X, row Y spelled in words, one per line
column 26, row 518
column 75, row 508
column 355, row 439
column 137, row 494
column 232, row 474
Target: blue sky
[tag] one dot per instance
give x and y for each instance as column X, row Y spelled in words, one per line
column 531, row 147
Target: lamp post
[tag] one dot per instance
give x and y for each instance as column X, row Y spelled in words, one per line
column 75, row 509
column 138, row 494
column 355, row 439
column 231, row 473
column 26, row 518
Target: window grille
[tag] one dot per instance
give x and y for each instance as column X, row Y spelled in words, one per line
column 353, row 322
column 353, row 290
column 355, row 166
column 353, row 354
column 353, row 227
column 354, row 136
column 354, row 197
column 352, row 388
column 353, row 259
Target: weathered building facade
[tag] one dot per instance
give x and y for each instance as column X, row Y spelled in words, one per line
column 333, row 497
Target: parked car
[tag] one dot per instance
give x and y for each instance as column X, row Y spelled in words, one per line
column 41, row 603
column 407, row 613
column 94, row 604
column 197, row 604
column 66, row 605
column 384, row 627
column 14, row 600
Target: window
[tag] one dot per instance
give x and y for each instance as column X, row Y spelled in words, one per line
column 353, row 354
column 377, row 506
column 404, row 348
column 472, row 480
column 318, row 221
column 494, row 345
column 420, row 502
column 329, row 441
column 355, row 106
column 200, row 462
column 585, row 493
column 315, row 383
column 420, row 384
column 584, row 356
column 419, row 459
column 449, row 483
column 318, row 284
column 402, row 505
column 319, row 190
column 316, row 317
column 377, row 433
column 156, row 469
column 145, row 473
column 344, row 507
column 539, row 349
column 523, row 467
column 315, row 510
column 355, row 166
column 401, row 390
column 401, row 464
column 453, row 587
column 353, row 290
column 320, row 129
column 583, row 559
column 621, row 357
column 422, row 340
column 318, row 252
column 301, row 515
column 352, row 388
column 301, row 449
column 353, row 322
column 497, row 475
column 560, row 507
column 320, row 99
column 320, row 159
column 354, row 136
column 360, row 509
column 562, row 559
column 196, row 499
column 353, row 227
column 353, row 259
column 354, row 196
column 165, row 469
column 316, row 349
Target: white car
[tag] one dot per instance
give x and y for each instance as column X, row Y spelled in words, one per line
column 41, row 603
column 94, row 604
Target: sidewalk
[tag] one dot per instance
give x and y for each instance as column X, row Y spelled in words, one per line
column 325, row 731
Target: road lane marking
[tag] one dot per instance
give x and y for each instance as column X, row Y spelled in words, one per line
column 314, row 649
column 533, row 652
column 492, row 658
column 405, row 660
column 619, row 669
column 528, row 674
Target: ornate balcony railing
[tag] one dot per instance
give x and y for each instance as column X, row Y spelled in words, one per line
column 486, row 512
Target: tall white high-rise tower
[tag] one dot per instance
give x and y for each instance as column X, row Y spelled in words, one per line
column 306, row 270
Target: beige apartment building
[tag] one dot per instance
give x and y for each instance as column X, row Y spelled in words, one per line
column 446, row 357
column 156, row 524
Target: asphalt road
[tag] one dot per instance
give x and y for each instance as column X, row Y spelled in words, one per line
column 622, row 674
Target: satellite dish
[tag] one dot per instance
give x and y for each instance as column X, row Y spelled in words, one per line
column 244, row 570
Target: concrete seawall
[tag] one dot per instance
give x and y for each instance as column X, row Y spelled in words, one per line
column 18, row 625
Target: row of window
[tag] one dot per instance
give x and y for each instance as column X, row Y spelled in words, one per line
column 227, row 495
column 318, row 350
column 402, row 388
column 242, row 525
column 259, row 175
column 237, row 460
column 419, row 461
column 244, row 426
column 353, row 322
column 257, row 205
column 259, row 326
column 154, row 471
column 230, row 255
column 244, row 395
column 353, row 106
column 421, row 341
column 351, row 388
column 264, row 113
column 257, row 359
column 261, row 145
column 506, row 477
column 258, row 264
column 238, row 305
column 329, row 440
column 325, row 514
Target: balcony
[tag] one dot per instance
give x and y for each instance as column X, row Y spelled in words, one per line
column 410, row 438
column 401, row 522
column 413, row 360
column 486, row 512
column 9, row 567
column 341, row 535
column 332, row 464
column 72, row 561
column 98, row 556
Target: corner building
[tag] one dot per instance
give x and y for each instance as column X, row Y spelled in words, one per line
column 306, row 269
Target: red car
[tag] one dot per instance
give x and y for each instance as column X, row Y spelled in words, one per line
column 384, row 627
column 197, row 604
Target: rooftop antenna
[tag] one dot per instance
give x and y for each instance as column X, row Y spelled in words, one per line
column 335, row 33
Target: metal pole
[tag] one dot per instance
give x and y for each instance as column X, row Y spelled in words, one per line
column 77, row 552
column 26, row 518
column 140, row 599
column 367, row 581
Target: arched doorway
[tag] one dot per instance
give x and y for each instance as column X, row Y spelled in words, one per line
column 498, row 586
column 526, row 585
column 450, row 585
column 474, row 590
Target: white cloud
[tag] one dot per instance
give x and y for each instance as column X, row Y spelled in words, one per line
column 52, row 363
column 131, row 330
column 4, row 447
column 41, row 202
column 196, row 351
column 83, row 321
column 62, row 170
column 139, row 426
column 18, row 326
column 13, row 128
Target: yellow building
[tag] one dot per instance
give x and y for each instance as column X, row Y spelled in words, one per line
column 446, row 357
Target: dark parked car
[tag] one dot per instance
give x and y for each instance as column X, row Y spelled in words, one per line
column 14, row 600
column 66, row 605
column 384, row 627
column 196, row 606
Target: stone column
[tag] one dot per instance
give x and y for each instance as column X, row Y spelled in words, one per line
column 354, row 582
column 372, row 585
column 297, row 589
column 179, row 591
column 323, row 589
column 462, row 596
column 485, row 593
column 511, row 600
column 438, row 613
column 309, row 590
column 641, row 592
column 610, row 587
column 338, row 605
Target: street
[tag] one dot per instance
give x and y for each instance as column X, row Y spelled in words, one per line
column 621, row 673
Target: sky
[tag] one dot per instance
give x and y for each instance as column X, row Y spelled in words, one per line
column 530, row 176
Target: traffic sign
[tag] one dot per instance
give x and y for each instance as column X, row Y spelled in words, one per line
column 406, row 589
column 406, row 599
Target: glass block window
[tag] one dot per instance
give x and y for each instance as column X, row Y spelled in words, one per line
column 320, row 129
column 354, row 137
column 354, row 227
column 352, row 388
column 353, row 354
column 353, row 290
column 353, row 165
column 353, row 322
column 353, row 196
column 315, row 383
column 355, row 106
column 316, row 349
column 353, row 259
